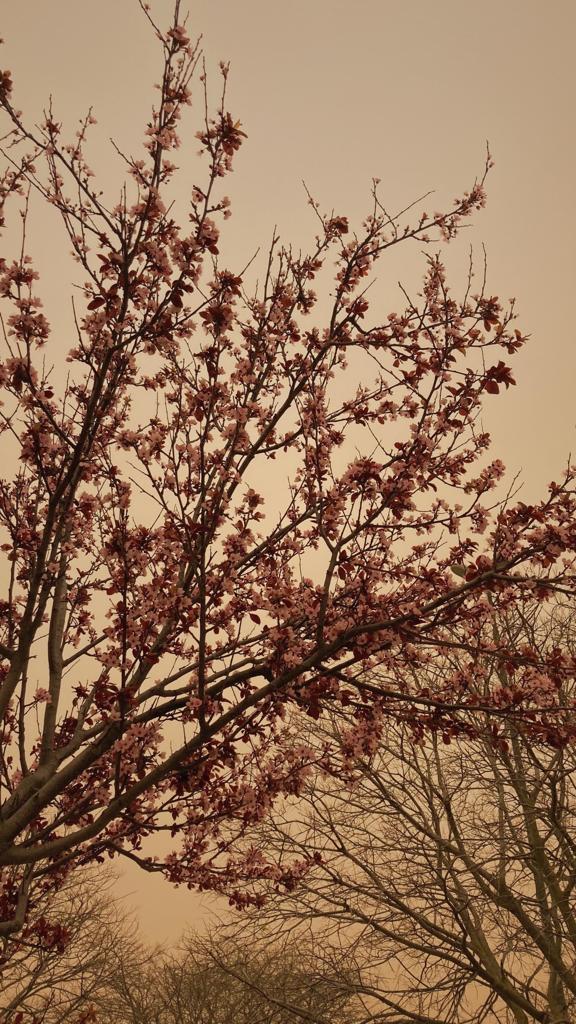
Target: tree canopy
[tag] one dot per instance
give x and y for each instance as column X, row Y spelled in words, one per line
column 224, row 498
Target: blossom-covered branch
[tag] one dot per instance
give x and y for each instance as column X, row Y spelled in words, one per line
column 221, row 503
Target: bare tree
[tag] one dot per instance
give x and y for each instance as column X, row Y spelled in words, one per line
column 446, row 872
column 62, row 963
column 79, row 960
column 215, row 980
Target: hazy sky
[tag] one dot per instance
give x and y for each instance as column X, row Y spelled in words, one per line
column 336, row 93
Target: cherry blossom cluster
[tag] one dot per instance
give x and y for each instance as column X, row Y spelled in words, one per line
column 225, row 505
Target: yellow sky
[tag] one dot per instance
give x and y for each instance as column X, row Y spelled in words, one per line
column 336, row 93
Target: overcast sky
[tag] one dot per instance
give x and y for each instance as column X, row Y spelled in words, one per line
column 335, row 93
